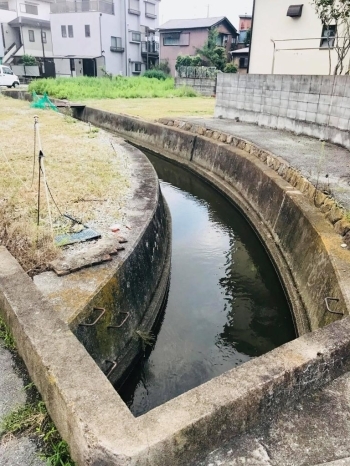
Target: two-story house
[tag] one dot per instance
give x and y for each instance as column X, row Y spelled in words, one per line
column 185, row 36
column 115, row 36
column 25, row 29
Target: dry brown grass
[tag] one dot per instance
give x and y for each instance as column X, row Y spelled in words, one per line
column 81, row 167
column 151, row 109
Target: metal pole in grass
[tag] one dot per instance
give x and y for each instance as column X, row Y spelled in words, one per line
column 42, row 171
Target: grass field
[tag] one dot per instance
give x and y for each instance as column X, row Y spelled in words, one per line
column 151, row 109
column 82, row 168
column 103, row 88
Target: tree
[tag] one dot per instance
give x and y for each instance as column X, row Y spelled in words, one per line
column 28, row 60
column 336, row 13
column 214, row 54
column 248, row 38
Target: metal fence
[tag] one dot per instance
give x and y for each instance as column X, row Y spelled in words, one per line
column 197, row 72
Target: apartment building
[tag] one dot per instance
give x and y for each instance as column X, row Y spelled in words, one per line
column 83, row 37
column 98, row 36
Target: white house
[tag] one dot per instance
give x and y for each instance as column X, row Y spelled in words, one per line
column 290, row 39
column 25, row 29
column 81, row 37
column 118, row 36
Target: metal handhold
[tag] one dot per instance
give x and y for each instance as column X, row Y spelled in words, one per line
column 98, row 318
column 120, row 325
column 114, row 365
column 327, row 305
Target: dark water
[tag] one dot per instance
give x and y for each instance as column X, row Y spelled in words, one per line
column 225, row 303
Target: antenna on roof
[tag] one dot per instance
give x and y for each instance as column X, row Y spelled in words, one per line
column 208, row 6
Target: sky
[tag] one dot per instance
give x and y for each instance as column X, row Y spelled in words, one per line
column 181, row 9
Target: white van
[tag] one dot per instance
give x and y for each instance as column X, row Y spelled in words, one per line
column 7, row 77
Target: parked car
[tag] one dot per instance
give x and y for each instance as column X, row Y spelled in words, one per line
column 7, row 77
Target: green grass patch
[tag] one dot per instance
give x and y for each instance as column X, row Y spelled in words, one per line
column 103, row 88
column 6, row 336
column 32, row 419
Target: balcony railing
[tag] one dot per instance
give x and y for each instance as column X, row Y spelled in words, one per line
column 150, row 47
column 80, row 6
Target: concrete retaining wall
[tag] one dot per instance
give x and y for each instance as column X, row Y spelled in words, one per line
column 317, row 106
column 203, row 86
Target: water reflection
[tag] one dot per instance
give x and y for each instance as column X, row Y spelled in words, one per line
column 225, row 302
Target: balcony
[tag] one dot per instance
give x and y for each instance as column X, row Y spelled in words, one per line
column 80, row 6
column 151, row 47
column 134, row 12
column 116, row 49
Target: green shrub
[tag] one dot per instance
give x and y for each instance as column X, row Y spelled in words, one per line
column 164, row 66
column 28, row 60
column 230, row 68
column 187, row 60
column 157, row 74
column 101, row 88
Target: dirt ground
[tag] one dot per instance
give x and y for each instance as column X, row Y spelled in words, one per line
column 86, row 170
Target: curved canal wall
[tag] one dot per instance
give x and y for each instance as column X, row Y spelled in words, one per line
column 302, row 242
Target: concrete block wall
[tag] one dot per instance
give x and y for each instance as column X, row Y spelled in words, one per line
column 317, row 106
column 204, row 86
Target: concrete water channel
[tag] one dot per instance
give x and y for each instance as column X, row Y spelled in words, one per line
column 305, row 248
column 225, row 304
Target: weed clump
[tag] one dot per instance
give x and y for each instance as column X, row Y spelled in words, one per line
column 6, row 336
column 153, row 85
column 33, row 420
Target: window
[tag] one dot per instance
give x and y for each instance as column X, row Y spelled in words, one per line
column 150, row 10
column 137, row 67
column 295, row 11
column 63, row 31
column 87, row 30
column 136, row 37
column 43, row 37
column 7, row 70
column 328, row 36
column 116, row 44
column 176, row 38
column 171, row 39
column 31, row 35
column 29, row 9
column 243, row 62
column 70, row 31
column 221, row 40
column 134, row 7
